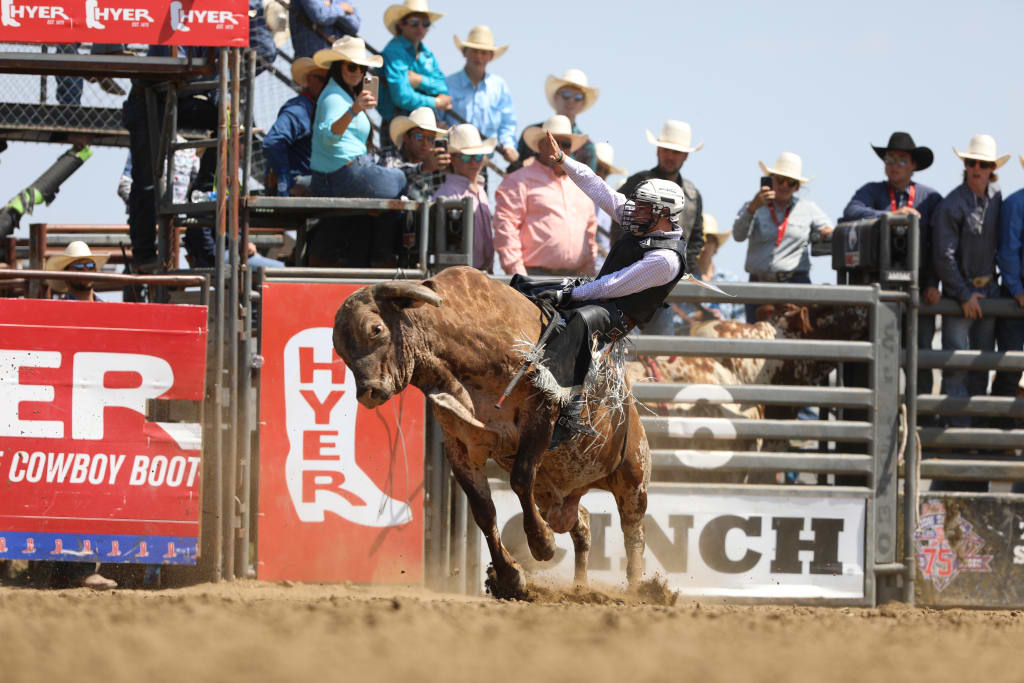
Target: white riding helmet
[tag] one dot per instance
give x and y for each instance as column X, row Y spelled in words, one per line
column 665, row 198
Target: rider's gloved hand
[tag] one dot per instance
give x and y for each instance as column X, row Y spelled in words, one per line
column 557, row 297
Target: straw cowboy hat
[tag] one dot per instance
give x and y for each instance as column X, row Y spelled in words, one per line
column 575, row 78
column 480, row 38
column 422, row 117
column 902, row 142
column 712, row 230
column 465, row 139
column 675, row 135
column 606, row 157
column 395, row 13
column 349, row 49
column 1022, row 165
column 559, row 126
column 982, row 148
column 73, row 252
column 788, row 165
column 276, row 16
column 301, row 68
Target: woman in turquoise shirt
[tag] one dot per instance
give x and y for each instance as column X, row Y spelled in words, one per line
column 338, row 159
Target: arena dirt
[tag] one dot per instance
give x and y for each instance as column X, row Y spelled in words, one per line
column 251, row 631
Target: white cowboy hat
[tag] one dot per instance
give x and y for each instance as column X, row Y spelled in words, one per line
column 301, row 68
column 73, row 252
column 575, row 78
column 712, row 230
column 559, row 126
column 982, row 148
column 606, row 156
column 276, row 16
column 480, row 38
column 675, row 135
column 465, row 139
column 788, row 165
column 349, row 49
column 395, row 13
column 422, row 117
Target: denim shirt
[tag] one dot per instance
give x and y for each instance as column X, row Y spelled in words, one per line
column 966, row 232
column 1010, row 253
column 287, row 144
column 326, row 15
column 399, row 97
column 488, row 106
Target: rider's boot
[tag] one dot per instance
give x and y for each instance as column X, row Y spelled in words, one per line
column 570, row 422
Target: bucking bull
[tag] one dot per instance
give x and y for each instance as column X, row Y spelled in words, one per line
column 455, row 337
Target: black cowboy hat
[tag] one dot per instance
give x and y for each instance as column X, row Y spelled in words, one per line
column 902, row 142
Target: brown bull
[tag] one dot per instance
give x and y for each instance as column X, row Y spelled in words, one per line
column 454, row 337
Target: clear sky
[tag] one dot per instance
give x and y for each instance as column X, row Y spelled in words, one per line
column 822, row 79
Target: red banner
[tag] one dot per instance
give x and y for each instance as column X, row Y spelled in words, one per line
column 84, row 475
column 341, row 487
column 223, row 23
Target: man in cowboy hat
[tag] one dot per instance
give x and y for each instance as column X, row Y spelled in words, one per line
column 469, row 154
column 543, row 223
column 482, row 98
column 77, row 258
column 412, row 76
column 899, row 194
column 316, row 24
column 569, row 95
column 966, row 230
column 415, row 155
column 288, row 142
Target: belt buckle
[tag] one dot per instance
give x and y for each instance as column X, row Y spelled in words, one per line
column 981, row 281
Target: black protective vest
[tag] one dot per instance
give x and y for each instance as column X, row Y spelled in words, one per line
column 641, row 306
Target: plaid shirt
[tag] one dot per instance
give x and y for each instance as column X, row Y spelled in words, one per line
column 422, row 186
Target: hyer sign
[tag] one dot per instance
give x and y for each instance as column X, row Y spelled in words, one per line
column 85, row 475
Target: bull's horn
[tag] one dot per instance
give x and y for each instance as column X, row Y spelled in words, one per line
column 399, row 289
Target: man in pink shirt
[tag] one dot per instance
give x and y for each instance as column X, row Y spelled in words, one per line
column 543, row 223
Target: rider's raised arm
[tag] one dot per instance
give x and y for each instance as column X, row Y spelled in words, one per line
column 607, row 199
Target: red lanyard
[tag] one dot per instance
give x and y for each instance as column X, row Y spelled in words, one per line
column 781, row 226
column 911, row 191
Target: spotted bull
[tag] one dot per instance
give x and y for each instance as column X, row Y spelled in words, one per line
column 454, row 337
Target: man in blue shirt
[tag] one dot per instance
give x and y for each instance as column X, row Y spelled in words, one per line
column 899, row 194
column 481, row 98
column 1010, row 256
column 412, row 76
column 287, row 143
column 316, row 24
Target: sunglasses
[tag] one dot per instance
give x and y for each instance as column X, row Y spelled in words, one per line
column 420, row 137
column 784, row 181
column 566, row 145
column 352, row 67
column 893, row 161
column 571, row 95
column 416, row 22
column 468, row 158
column 971, row 163
column 82, row 266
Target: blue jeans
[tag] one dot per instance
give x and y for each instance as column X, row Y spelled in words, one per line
column 961, row 334
column 360, row 178
column 800, row 278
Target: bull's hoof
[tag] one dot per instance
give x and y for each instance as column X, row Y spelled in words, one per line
column 542, row 545
column 510, row 587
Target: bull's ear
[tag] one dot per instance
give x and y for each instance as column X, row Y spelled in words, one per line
column 405, row 294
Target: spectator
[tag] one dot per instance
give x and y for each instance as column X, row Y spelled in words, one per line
column 317, row 24
column 966, row 225
column 779, row 225
column 899, row 194
column 569, row 96
column 412, row 76
column 543, row 223
column 339, row 161
column 605, row 167
column 469, row 154
column 673, row 148
column 480, row 98
column 416, row 156
column 186, row 167
column 287, row 143
column 69, row 88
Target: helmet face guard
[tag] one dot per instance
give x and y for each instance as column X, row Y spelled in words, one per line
column 638, row 217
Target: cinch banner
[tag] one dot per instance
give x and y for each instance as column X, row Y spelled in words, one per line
column 83, row 474
column 222, row 23
column 341, row 486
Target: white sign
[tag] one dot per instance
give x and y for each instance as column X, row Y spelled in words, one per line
column 723, row 545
